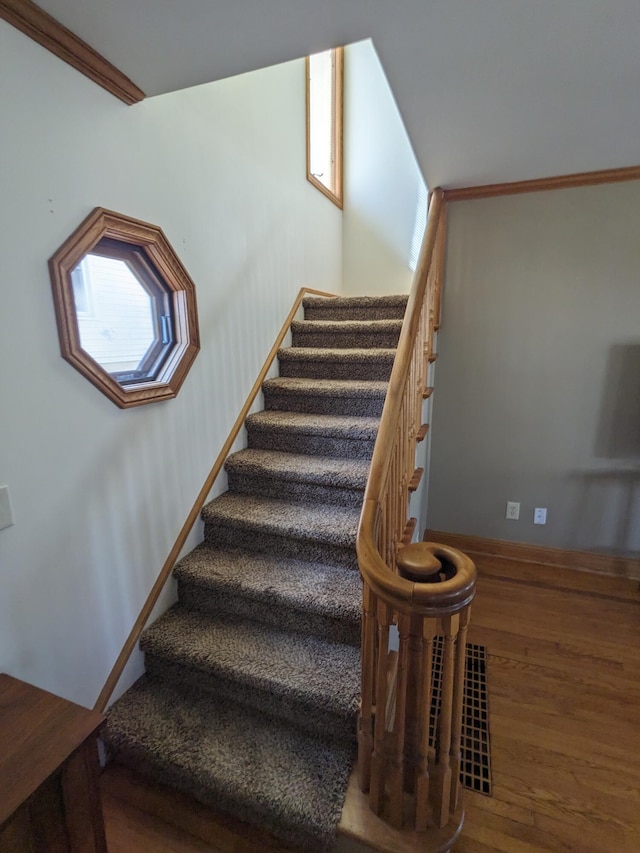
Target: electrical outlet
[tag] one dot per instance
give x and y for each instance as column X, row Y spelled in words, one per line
column 513, row 510
column 6, row 515
column 540, row 515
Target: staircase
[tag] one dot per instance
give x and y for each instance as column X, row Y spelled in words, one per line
column 250, row 696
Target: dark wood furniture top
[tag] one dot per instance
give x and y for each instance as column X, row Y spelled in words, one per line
column 38, row 732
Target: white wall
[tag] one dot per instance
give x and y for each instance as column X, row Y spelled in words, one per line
column 538, row 391
column 99, row 494
column 381, row 181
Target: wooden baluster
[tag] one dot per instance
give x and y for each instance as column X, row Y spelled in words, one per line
column 393, row 521
column 458, row 694
column 396, row 775
column 426, row 753
column 402, row 473
column 438, row 266
column 408, row 402
column 408, row 456
column 383, row 533
column 378, row 774
column 413, row 733
column 442, row 792
column 368, row 653
column 400, row 510
column 421, row 374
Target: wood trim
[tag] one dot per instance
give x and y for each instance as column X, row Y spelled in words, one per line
column 174, row 553
column 559, row 182
column 173, row 278
column 42, row 28
column 587, row 561
column 338, row 128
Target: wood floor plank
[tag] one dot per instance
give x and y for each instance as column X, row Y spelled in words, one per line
column 549, row 577
column 130, row 830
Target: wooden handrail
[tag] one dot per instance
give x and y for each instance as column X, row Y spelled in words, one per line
column 424, row 590
column 174, row 553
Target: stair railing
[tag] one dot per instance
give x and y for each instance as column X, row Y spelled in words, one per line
column 410, row 722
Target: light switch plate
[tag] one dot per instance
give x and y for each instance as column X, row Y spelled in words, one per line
column 6, row 513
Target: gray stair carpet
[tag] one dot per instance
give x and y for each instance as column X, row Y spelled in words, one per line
column 250, row 695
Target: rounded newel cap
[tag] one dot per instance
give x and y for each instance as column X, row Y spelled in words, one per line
column 439, row 591
column 417, row 562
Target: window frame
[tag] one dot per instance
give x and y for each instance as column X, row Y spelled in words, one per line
column 335, row 194
column 145, row 248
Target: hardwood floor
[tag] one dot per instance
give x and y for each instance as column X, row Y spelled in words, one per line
column 564, row 693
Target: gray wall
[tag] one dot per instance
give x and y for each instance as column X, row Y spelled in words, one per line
column 538, row 391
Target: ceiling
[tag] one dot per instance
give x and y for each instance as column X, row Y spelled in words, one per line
column 490, row 90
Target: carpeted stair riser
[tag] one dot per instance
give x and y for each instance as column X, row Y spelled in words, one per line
column 263, row 434
column 336, row 397
column 228, row 603
column 295, row 492
column 355, row 307
column 305, row 718
column 294, row 478
column 309, row 598
column 312, row 363
column 382, row 334
column 311, row 680
column 230, row 536
column 232, row 759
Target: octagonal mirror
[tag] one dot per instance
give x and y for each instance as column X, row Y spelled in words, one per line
column 126, row 308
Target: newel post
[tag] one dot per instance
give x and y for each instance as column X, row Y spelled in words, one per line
column 416, row 762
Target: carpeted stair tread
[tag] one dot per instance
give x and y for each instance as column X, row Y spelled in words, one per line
column 325, row 396
column 345, row 333
column 272, row 585
column 234, row 759
column 299, row 467
column 360, row 354
column 324, row 524
column 313, row 434
column 327, row 387
column 335, row 426
column 308, row 671
column 316, row 362
column 355, row 307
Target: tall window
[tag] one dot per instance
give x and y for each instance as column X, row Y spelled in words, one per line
column 324, row 122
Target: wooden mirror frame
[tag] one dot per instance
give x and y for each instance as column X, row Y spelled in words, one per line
column 175, row 279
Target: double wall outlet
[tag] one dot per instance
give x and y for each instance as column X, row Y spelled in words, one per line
column 540, row 515
column 513, row 510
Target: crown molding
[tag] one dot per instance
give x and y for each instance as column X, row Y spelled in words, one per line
column 559, row 182
column 41, row 27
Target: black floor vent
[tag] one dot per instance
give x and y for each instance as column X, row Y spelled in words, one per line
column 475, row 768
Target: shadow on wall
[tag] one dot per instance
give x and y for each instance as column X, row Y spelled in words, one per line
column 607, row 510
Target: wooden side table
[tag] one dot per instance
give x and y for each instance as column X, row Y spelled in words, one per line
column 49, row 798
